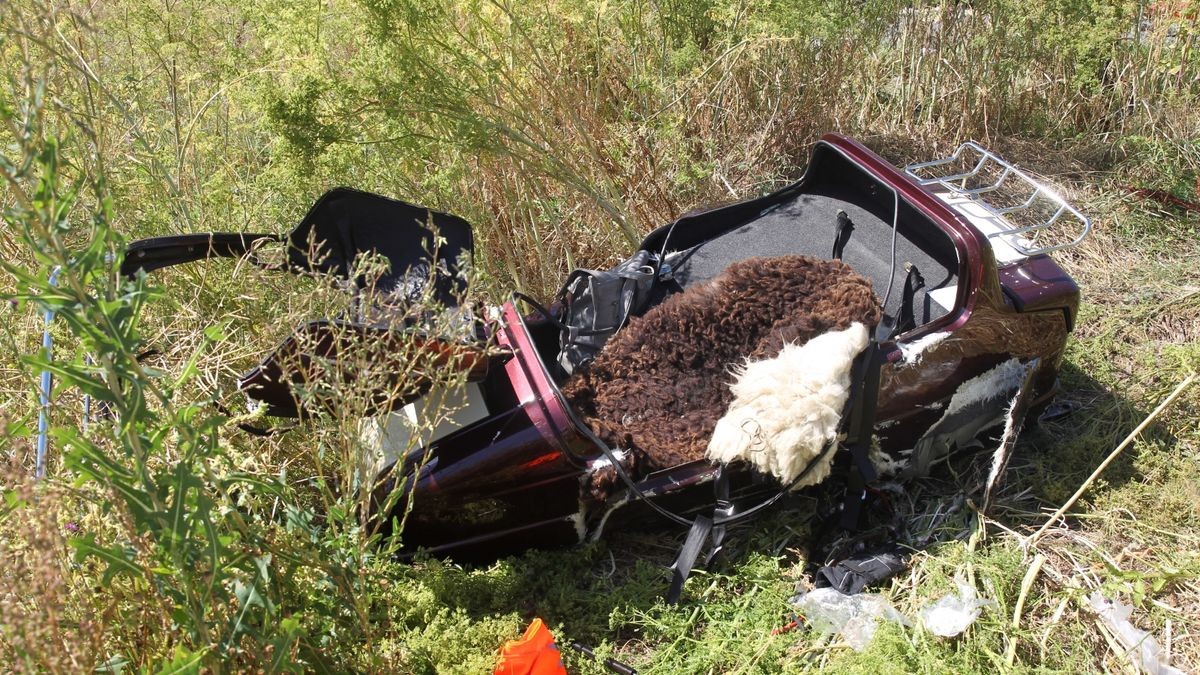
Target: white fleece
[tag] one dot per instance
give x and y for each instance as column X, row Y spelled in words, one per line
column 787, row 408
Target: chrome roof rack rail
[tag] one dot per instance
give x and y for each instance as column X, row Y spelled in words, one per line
column 1020, row 215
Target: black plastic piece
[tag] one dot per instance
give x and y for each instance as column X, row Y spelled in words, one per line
column 845, row 227
column 345, row 224
column 852, row 575
column 613, row 665
column 159, row 252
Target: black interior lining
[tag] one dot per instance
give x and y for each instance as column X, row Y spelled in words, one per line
column 807, row 225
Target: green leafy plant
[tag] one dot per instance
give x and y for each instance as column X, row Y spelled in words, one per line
column 178, row 519
column 154, row 464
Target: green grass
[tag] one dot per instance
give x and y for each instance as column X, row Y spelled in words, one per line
column 564, row 129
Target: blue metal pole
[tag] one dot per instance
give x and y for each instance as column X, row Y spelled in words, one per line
column 43, row 441
column 87, row 402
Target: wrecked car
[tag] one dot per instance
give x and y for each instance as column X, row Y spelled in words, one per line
column 956, row 251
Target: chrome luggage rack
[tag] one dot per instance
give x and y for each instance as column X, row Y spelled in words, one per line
column 1021, row 216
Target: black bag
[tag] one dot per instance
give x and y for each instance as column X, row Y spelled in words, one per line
column 596, row 304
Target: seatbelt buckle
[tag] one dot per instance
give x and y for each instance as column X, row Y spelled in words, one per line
column 724, row 510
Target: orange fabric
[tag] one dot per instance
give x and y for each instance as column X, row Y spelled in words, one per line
column 533, row 654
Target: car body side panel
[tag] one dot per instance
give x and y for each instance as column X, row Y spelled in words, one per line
column 510, row 479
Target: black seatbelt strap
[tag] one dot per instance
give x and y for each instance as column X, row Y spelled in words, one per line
column 845, row 227
column 704, row 528
column 860, row 426
column 861, row 423
column 682, row 569
column 912, row 283
column 858, row 441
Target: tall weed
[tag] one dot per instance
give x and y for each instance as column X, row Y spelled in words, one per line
column 566, row 130
column 200, row 557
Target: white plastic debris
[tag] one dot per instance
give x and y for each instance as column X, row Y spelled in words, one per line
column 951, row 614
column 1141, row 648
column 911, row 352
column 993, row 384
column 855, row 617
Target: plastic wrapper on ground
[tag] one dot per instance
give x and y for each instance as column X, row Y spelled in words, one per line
column 952, row 614
column 854, row 617
column 1141, row 647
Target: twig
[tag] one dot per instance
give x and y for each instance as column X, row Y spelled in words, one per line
column 1113, row 644
column 1112, row 457
column 1167, row 631
column 1026, row 585
column 1055, row 617
column 1163, row 197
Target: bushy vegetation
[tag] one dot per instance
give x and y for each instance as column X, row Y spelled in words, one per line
column 164, row 539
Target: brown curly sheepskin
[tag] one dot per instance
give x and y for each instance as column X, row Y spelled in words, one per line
column 660, row 384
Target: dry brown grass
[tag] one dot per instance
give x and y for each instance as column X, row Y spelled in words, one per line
column 48, row 621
